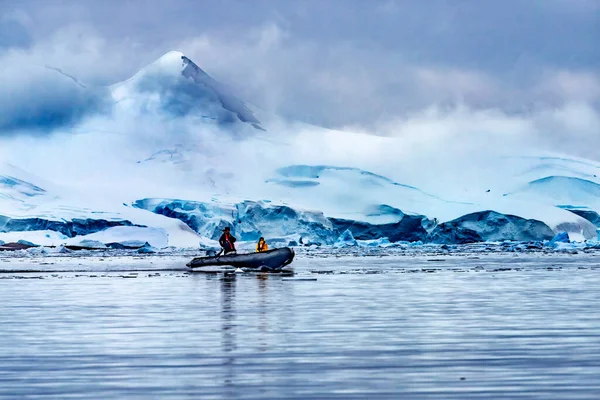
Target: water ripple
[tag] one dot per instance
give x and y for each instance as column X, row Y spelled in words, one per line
column 482, row 328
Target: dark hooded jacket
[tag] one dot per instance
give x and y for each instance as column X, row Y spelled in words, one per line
column 227, row 241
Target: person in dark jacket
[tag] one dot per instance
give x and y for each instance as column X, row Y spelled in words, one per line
column 227, row 241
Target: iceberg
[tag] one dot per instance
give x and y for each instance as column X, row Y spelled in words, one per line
column 146, row 249
column 62, row 250
column 91, row 244
column 490, row 226
column 346, row 240
column 27, row 243
column 562, row 237
column 381, row 242
column 409, row 228
column 454, row 234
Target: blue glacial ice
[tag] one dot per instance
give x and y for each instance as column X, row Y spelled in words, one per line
column 72, row 228
column 410, row 229
column 146, row 249
column 26, row 243
column 490, row 226
column 249, row 220
column 587, row 214
column 381, row 242
column 561, row 237
column 345, row 240
column 92, row 244
column 283, row 225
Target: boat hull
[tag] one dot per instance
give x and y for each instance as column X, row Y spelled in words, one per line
column 271, row 260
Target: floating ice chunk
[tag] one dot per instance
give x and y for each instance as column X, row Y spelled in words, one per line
column 37, row 250
column 146, row 249
column 126, row 244
column 490, row 226
column 92, row 244
column 569, row 246
column 127, row 236
column 346, row 240
column 27, row 243
column 381, row 242
column 62, row 250
column 561, row 237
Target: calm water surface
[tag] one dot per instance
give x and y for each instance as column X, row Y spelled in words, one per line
column 365, row 328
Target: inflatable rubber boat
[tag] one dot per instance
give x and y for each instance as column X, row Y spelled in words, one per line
column 271, row 260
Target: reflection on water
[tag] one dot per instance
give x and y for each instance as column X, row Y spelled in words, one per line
column 228, row 328
column 262, row 310
column 520, row 334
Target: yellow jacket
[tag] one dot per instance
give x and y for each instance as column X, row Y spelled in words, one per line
column 265, row 247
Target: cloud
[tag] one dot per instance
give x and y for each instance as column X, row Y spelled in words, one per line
column 363, row 67
column 583, row 86
column 39, row 100
column 345, row 85
column 13, row 34
column 52, row 84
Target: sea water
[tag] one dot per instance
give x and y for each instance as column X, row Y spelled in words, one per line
column 414, row 327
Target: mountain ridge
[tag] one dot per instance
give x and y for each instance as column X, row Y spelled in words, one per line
column 176, row 133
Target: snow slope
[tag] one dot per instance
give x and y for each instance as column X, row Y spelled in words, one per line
column 566, row 191
column 176, row 133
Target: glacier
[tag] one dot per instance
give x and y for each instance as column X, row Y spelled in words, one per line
column 490, row 226
column 180, row 156
column 248, row 220
column 589, row 215
column 72, row 228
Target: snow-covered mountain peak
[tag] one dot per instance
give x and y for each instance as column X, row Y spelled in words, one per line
column 171, row 56
column 168, row 65
column 176, row 86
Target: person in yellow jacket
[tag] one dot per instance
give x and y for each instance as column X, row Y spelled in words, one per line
column 261, row 245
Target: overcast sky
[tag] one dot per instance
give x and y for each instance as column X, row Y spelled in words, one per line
column 334, row 63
